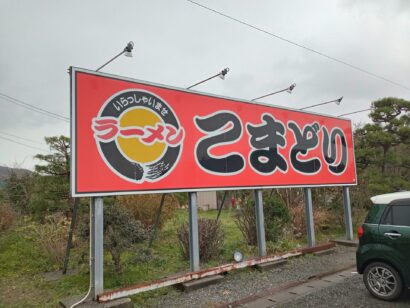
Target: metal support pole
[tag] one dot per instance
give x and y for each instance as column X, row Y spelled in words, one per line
column 260, row 226
column 348, row 213
column 157, row 221
column 112, row 59
column 310, row 227
column 96, row 245
column 221, row 205
column 193, row 232
column 70, row 235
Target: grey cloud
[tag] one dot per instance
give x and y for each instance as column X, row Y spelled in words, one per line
column 177, row 43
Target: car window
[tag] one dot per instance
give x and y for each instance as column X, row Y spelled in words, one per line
column 387, row 217
column 373, row 217
column 397, row 215
column 401, row 215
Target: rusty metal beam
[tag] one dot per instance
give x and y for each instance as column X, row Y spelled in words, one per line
column 169, row 281
column 320, row 247
column 131, row 290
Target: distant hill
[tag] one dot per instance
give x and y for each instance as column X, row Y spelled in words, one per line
column 6, row 171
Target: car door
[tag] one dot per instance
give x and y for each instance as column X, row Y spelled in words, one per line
column 394, row 234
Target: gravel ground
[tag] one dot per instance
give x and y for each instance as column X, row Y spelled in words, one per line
column 350, row 293
column 244, row 283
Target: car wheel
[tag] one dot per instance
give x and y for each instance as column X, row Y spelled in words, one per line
column 383, row 281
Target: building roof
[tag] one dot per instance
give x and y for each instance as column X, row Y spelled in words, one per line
column 387, row 198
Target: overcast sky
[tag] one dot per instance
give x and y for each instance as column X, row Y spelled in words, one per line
column 179, row 43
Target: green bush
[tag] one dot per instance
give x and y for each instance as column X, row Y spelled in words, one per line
column 211, row 239
column 276, row 216
column 181, row 197
column 121, row 232
column 49, row 195
column 18, row 191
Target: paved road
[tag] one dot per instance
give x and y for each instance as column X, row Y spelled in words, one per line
column 343, row 289
column 350, row 292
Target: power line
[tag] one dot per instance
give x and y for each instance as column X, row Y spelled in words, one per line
column 301, row 46
column 32, row 107
column 22, row 138
column 23, row 144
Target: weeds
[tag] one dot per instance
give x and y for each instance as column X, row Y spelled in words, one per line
column 51, row 236
column 7, row 216
column 211, row 239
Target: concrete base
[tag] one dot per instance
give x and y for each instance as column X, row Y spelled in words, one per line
column 343, row 242
column 324, row 252
column 269, row 265
column 199, row 283
column 118, row 303
column 319, row 247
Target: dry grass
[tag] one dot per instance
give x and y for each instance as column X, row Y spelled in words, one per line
column 145, row 207
column 7, row 216
column 211, row 239
column 321, row 218
column 52, row 236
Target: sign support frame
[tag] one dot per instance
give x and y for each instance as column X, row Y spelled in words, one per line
column 96, row 246
column 310, row 225
column 193, row 231
column 260, row 226
column 347, row 213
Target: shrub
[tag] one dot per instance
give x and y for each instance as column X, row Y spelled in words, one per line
column 121, row 231
column 144, row 208
column 50, row 195
column 321, row 217
column 18, row 190
column 7, row 216
column 51, row 236
column 181, row 197
column 211, row 238
column 276, row 216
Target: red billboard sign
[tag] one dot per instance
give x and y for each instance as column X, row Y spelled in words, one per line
column 131, row 136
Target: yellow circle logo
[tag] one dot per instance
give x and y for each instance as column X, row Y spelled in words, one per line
column 134, row 148
column 138, row 135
